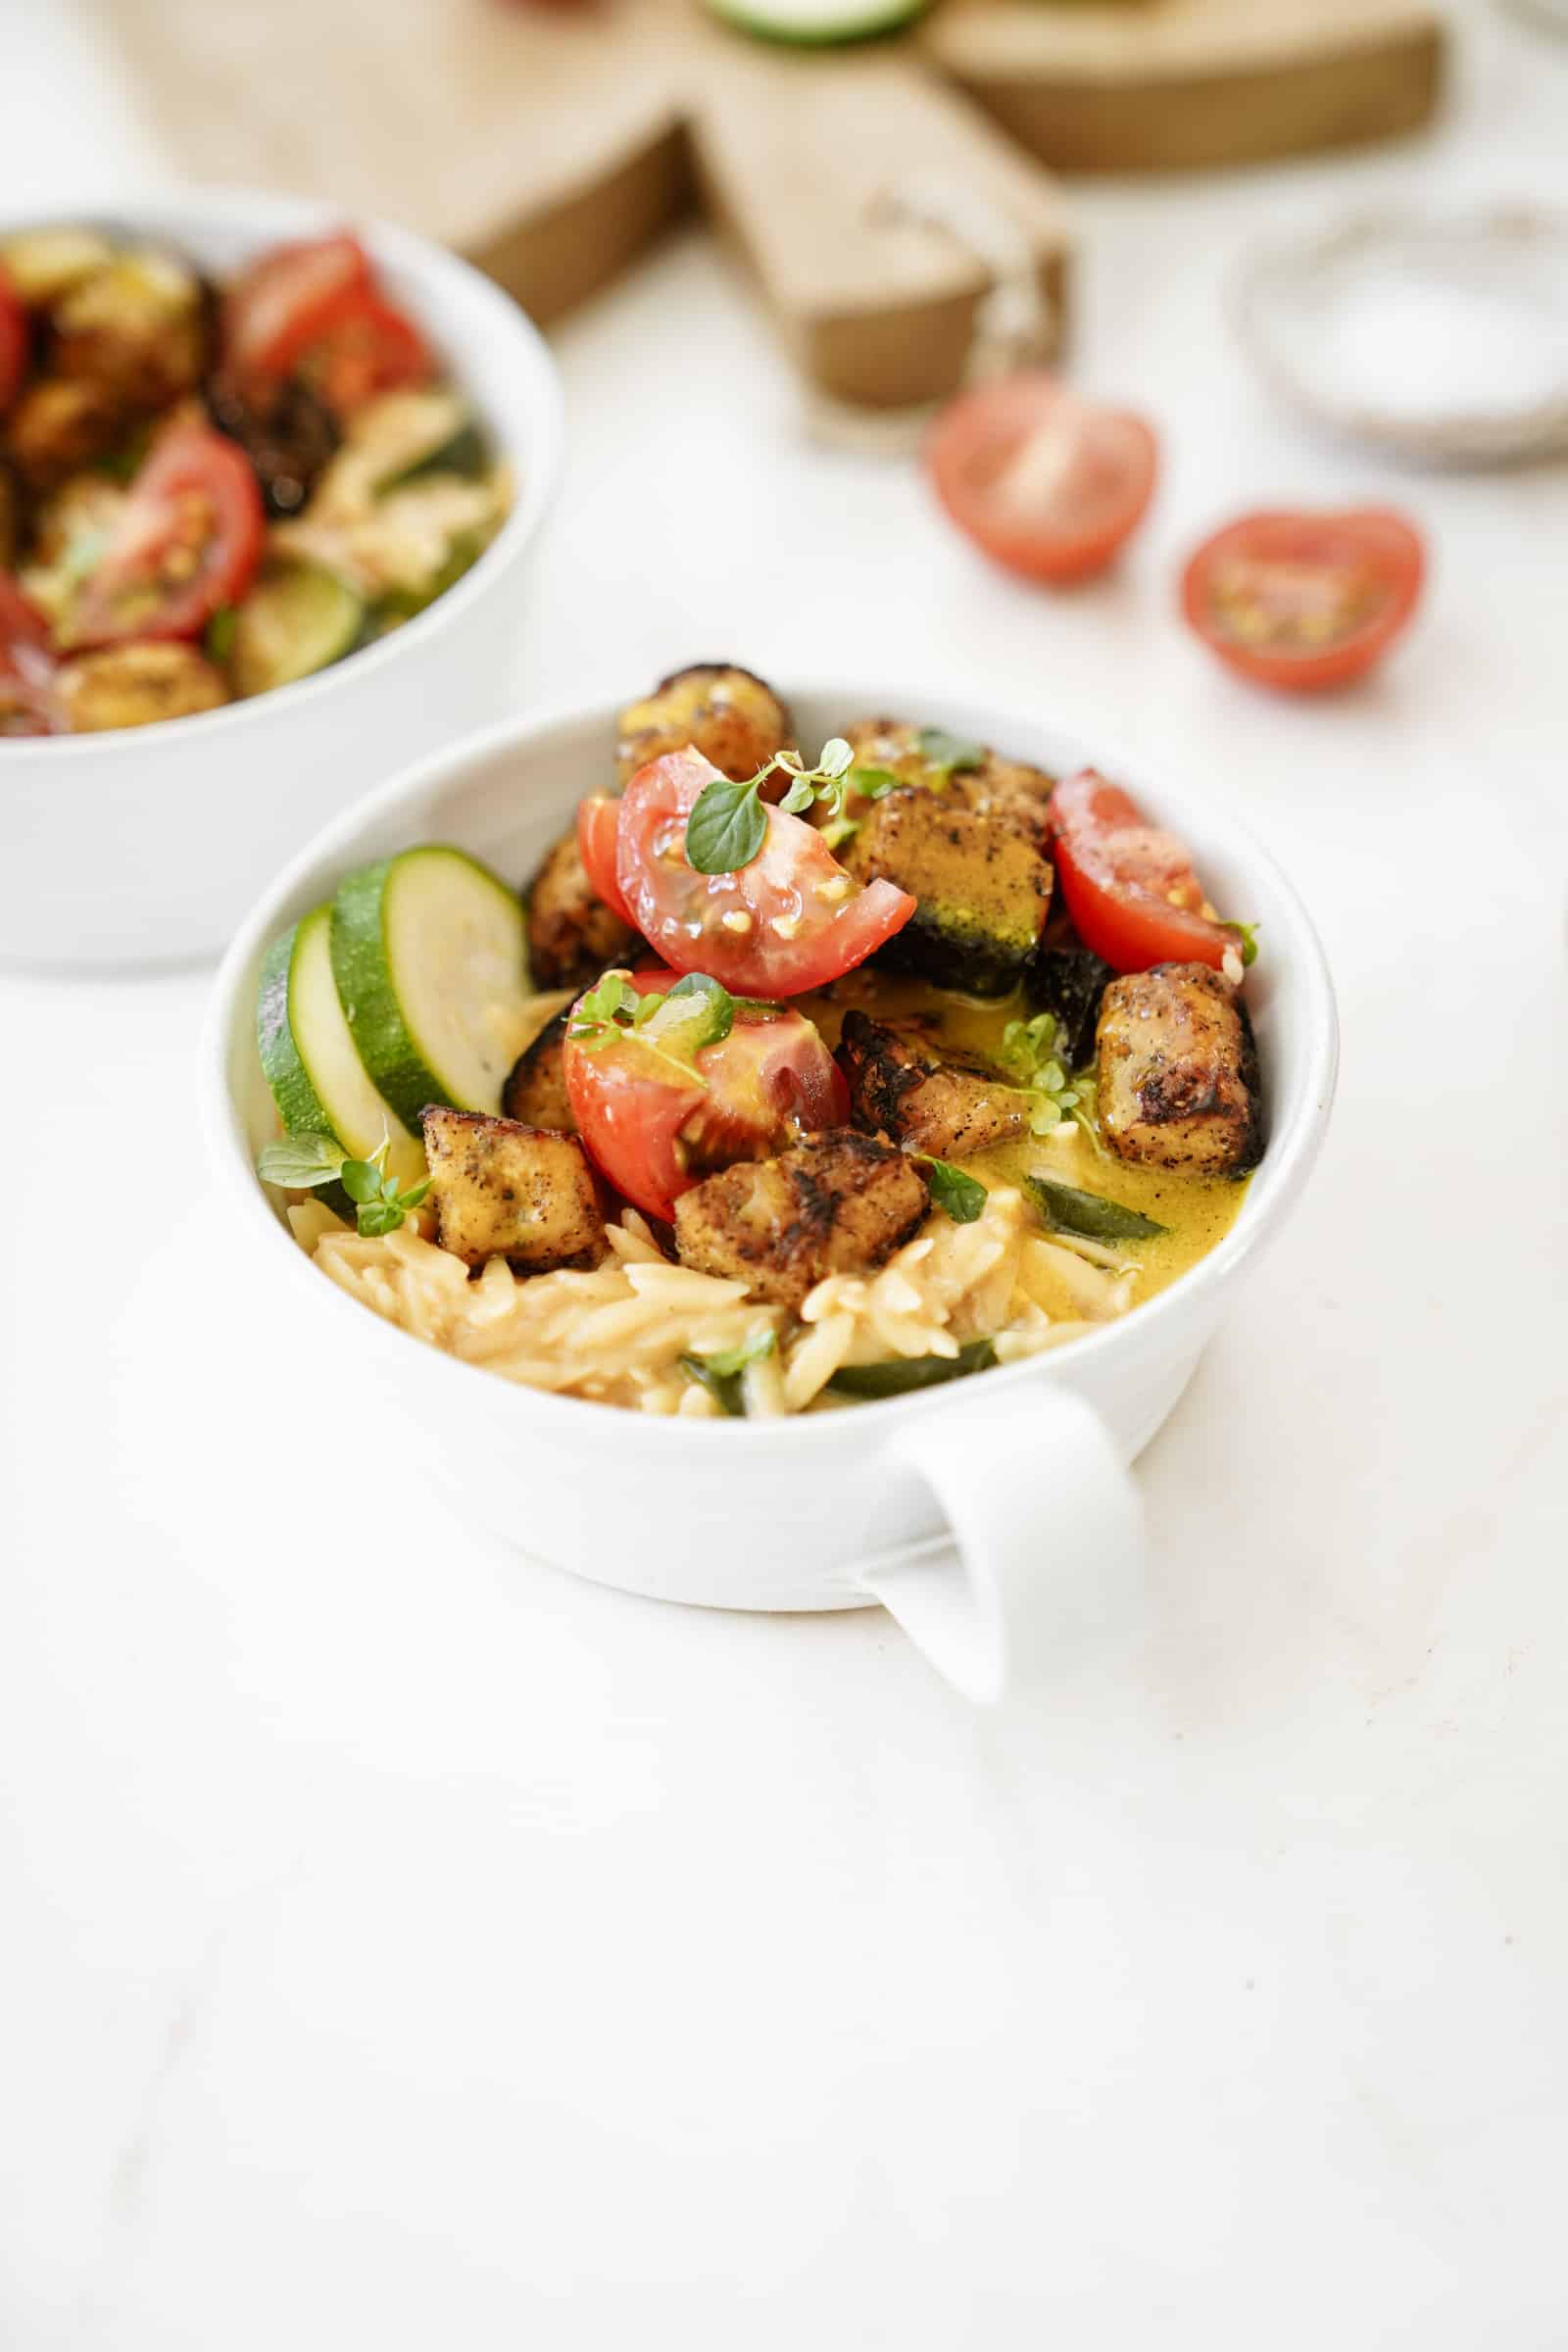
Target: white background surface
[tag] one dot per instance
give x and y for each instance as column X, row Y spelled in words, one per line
column 404, row 1945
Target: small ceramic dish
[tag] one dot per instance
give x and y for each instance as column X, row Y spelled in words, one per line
column 935, row 1503
column 143, row 847
column 1441, row 341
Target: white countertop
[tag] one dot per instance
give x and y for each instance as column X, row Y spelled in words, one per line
column 407, row 1946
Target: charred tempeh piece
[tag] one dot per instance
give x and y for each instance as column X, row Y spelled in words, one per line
column 1005, row 790
column 733, row 719
column 502, row 1190
column 984, row 889
column 838, row 1203
column 942, row 1104
column 1178, row 1072
column 572, row 935
column 536, row 1092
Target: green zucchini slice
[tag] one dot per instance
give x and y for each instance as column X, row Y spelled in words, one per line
column 809, row 23
column 297, row 619
column 428, row 953
column 318, row 1080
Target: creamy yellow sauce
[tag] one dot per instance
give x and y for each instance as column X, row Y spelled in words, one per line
column 1198, row 1211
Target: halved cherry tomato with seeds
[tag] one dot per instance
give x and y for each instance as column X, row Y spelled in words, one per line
column 14, row 341
column 598, row 820
column 366, row 346
column 1304, row 601
column 791, row 919
column 188, row 539
column 655, row 1120
column 1130, row 886
column 274, row 310
column 1048, row 484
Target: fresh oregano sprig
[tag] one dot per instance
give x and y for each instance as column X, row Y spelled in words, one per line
column 300, row 1163
column 1028, row 1054
column 962, row 1196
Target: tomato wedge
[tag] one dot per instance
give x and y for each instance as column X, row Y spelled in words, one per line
column 281, row 303
column 790, row 920
column 1043, row 482
column 27, row 704
column 188, row 539
column 1304, row 601
column 1130, row 886
column 654, row 1123
column 366, row 346
column 598, row 822
column 14, row 341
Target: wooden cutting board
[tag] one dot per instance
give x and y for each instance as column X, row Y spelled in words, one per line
column 875, row 193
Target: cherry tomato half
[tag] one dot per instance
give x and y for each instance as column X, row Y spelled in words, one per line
column 1130, row 886
column 654, row 1126
column 366, row 346
column 280, row 304
column 791, row 920
column 1045, row 482
column 188, row 539
column 27, row 703
column 598, row 822
column 13, row 340
column 1304, row 601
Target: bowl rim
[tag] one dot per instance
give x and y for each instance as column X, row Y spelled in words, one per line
column 1297, row 1132
column 534, row 452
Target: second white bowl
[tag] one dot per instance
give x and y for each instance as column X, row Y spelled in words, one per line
column 145, row 847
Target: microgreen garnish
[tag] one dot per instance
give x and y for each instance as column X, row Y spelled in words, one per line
column 963, row 1196
column 1028, row 1054
column 728, row 823
column 950, row 753
column 302, row 1162
column 721, row 1373
column 674, row 1023
column 875, row 783
column 1246, row 933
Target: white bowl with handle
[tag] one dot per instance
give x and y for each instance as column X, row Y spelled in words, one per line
column 145, row 845
column 932, row 1504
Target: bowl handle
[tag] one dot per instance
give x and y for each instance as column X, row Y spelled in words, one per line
column 1045, row 1560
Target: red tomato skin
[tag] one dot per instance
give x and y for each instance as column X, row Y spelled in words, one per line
column 27, row 701
column 650, row 861
column 363, row 347
column 280, row 304
column 20, row 621
column 14, row 342
column 598, row 819
column 188, row 458
column 990, row 417
column 766, row 1079
column 1392, row 545
column 1131, row 926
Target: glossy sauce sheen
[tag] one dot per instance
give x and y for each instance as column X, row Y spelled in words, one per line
column 1197, row 1211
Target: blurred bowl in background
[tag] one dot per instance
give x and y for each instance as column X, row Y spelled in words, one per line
column 145, row 847
column 1445, row 341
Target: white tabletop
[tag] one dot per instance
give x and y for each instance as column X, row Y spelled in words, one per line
column 404, row 1945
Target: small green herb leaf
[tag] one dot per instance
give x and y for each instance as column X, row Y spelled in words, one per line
column 841, row 830
column 726, row 827
column 798, row 799
column 963, row 1196
column 1246, row 933
column 949, row 752
column 835, row 759
column 875, row 783
column 377, row 1218
column 707, row 1010
column 362, row 1180
column 300, row 1161
column 720, row 1374
column 1065, row 1209
column 900, row 1375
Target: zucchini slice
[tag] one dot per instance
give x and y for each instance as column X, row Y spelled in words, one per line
column 308, row 1054
column 297, row 619
column 461, row 448
column 809, row 23
column 427, row 948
